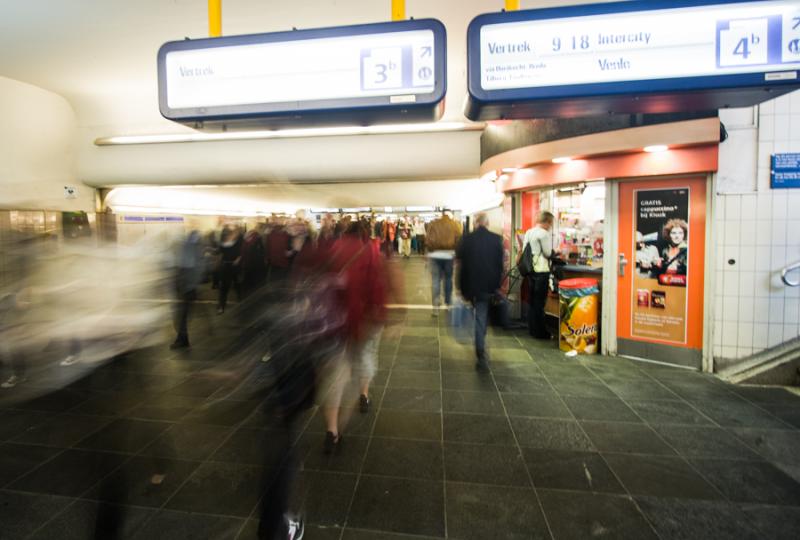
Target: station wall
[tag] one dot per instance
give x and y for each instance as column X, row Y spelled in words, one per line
column 758, row 228
column 37, row 135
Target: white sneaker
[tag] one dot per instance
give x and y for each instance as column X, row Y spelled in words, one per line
column 296, row 528
column 13, row 381
column 71, row 359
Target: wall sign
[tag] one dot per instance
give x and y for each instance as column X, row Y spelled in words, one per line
column 661, row 278
column 302, row 76
column 653, row 56
column 785, row 171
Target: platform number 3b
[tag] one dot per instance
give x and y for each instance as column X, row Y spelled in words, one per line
column 770, row 40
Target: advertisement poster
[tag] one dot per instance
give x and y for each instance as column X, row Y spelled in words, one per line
column 660, row 280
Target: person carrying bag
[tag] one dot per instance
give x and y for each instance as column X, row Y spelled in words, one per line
column 534, row 263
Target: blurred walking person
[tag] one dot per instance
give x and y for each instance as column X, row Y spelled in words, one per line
column 480, row 255
column 359, row 270
column 231, row 250
column 442, row 238
column 188, row 276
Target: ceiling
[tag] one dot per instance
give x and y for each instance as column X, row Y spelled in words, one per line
column 100, row 55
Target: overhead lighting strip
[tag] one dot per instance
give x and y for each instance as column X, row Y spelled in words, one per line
column 344, row 131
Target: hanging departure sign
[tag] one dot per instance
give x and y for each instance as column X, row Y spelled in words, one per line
column 366, row 74
column 638, row 56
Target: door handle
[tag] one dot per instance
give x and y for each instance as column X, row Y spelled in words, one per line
column 623, row 262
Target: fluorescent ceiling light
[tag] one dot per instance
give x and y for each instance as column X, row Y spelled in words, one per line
column 656, row 148
column 562, row 159
column 344, row 131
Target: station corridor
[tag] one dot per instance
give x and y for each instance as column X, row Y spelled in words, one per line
column 543, row 447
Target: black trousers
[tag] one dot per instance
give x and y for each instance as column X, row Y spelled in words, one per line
column 229, row 276
column 537, row 297
column 421, row 244
column 182, row 316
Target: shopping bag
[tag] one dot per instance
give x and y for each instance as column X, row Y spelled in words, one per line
column 462, row 321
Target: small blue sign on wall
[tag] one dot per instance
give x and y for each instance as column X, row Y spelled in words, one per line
column 785, row 171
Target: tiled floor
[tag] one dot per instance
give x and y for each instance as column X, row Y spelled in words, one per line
column 543, row 447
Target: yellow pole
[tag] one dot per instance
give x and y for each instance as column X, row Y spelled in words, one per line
column 398, row 10
column 214, row 18
column 512, row 5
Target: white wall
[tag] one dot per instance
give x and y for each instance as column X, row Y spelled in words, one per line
column 37, row 134
column 759, row 228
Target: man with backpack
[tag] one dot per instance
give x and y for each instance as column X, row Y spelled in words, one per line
column 541, row 250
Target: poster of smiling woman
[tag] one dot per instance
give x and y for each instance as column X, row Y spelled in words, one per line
column 660, row 283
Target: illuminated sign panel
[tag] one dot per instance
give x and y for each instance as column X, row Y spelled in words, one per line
column 641, row 47
column 398, row 66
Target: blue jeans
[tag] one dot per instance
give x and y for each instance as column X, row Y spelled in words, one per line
column 481, row 321
column 442, row 268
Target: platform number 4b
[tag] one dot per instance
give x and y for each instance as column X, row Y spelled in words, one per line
column 382, row 68
column 744, row 42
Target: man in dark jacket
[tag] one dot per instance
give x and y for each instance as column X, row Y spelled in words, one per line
column 481, row 256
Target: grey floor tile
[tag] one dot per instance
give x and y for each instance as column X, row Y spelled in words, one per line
column 737, row 412
column 773, row 522
column 513, row 384
column 669, row 412
column 19, row 459
column 194, row 526
column 417, row 363
column 124, row 435
column 221, row 413
column 409, row 425
column 641, row 389
column 750, row 481
column 184, row 441
column 581, row 388
column 69, row 473
column 412, row 399
column 789, row 414
column 91, row 519
column 601, row 409
column 404, row 459
column 678, row 519
column 15, row 423
column 705, row 442
column 773, row 395
column 398, row 505
column 476, row 382
column 578, row 516
column 550, row 434
column 219, row 488
column 63, row 430
column 660, row 476
column 774, row 444
column 143, row 481
column 360, row 534
column 22, row 513
column 477, row 429
column 348, row 456
column 248, row 447
column 323, row 497
column 424, row 380
column 479, row 512
column 483, row 464
column 570, row 470
column 536, row 405
column 472, row 402
column 626, row 438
